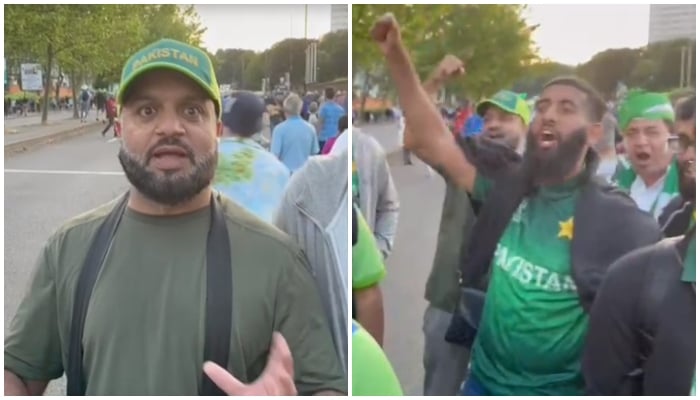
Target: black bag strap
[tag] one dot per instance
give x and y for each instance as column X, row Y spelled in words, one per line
column 355, row 237
column 219, row 301
column 86, row 281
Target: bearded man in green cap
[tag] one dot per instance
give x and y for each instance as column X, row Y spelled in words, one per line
column 648, row 175
column 506, row 119
column 195, row 295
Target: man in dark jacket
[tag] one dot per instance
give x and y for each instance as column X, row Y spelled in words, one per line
column 641, row 338
column 679, row 212
column 540, row 220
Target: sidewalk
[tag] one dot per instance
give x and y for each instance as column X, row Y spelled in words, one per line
column 14, row 121
column 22, row 136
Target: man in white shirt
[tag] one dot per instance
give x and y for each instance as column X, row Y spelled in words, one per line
column 648, row 174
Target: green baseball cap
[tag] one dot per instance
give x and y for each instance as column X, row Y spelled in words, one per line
column 639, row 104
column 507, row 101
column 176, row 56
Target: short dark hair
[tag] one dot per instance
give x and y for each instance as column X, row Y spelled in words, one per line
column 594, row 101
column 343, row 123
column 685, row 110
column 330, row 93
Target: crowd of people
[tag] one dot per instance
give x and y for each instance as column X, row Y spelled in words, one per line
column 565, row 261
column 561, row 268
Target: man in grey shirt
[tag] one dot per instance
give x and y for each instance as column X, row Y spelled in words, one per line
column 606, row 148
column 378, row 199
column 314, row 212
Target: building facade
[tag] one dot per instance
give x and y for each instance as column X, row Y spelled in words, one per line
column 339, row 17
column 671, row 21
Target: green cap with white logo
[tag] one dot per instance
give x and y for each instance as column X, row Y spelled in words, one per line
column 639, row 104
column 507, row 101
column 176, row 56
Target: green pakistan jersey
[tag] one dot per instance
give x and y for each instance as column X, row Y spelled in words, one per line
column 144, row 330
column 532, row 330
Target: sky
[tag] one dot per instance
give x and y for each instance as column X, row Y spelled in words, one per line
column 569, row 34
column 258, row 27
column 572, row 34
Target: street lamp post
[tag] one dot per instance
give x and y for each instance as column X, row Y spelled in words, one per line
column 306, row 27
column 682, row 80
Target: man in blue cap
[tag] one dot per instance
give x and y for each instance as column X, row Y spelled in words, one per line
column 246, row 172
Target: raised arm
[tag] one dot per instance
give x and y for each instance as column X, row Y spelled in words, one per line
column 426, row 134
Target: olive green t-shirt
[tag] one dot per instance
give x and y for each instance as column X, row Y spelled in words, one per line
column 532, row 329
column 144, row 330
column 442, row 288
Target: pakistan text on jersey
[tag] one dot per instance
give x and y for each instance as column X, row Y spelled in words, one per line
column 529, row 274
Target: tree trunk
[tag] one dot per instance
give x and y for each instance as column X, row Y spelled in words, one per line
column 59, row 82
column 73, row 83
column 47, row 83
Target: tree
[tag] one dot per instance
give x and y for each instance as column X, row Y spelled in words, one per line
column 285, row 56
column 43, row 33
column 255, row 72
column 536, row 75
column 332, row 60
column 366, row 59
column 416, row 22
column 609, row 67
column 666, row 59
column 89, row 42
column 231, row 66
column 494, row 41
column 656, row 67
column 173, row 21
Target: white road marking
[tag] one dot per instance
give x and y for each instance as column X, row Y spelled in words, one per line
column 62, row 172
column 112, row 140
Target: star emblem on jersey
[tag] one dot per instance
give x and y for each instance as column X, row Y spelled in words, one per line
column 566, row 229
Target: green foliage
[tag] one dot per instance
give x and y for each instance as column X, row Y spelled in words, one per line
column 609, row 67
column 332, row 59
column 288, row 55
column 255, row 72
column 538, row 74
column 231, row 67
column 494, row 41
column 656, row 67
column 90, row 42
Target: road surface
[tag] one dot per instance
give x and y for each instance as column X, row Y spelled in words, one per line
column 44, row 188
column 86, row 173
column 409, row 264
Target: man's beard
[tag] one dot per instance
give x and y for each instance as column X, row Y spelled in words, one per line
column 170, row 189
column 510, row 140
column 554, row 165
column 686, row 184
